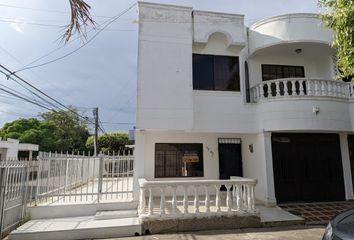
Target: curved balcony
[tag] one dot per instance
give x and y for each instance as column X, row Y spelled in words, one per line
column 288, row 28
column 302, row 87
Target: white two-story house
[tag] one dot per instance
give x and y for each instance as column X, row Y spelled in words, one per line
column 218, row 99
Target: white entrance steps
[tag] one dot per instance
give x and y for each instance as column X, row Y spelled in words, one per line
column 74, row 228
column 104, row 215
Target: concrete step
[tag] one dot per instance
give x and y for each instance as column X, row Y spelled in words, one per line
column 104, row 215
column 276, row 216
column 76, row 228
column 77, row 210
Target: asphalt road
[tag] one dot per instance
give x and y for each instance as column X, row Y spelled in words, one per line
column 278, row 233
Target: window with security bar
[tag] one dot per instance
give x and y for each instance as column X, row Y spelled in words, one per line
column 178, row 160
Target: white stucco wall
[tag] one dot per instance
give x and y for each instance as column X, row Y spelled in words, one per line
column 164, row 98
column 288, row 28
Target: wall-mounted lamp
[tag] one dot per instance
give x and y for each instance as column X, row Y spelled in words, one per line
column 298, row 51
column 316, row 110
column 250, row 147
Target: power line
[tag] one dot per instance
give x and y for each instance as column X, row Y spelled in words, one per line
column 32, row 92
column 46, row 10
column 59, row 26
column 46, row 95
column 57, row 49
column 32, row 23
column 101, row 125
column 27, row 100
column 83, row 45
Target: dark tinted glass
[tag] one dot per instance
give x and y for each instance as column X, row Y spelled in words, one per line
column 203, row 72
column 212, row 72
column 270, row 72
column 178, row 160
column 226, row 73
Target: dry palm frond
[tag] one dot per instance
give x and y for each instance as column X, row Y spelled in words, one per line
column 80, row 19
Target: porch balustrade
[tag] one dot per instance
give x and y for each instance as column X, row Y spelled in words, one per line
column 196, row 198
column 297, row 87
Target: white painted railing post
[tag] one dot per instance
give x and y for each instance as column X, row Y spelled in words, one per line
column 239, row 202
column 228, row 198
column 330, row 88
column 207, row 199
column 162, row 201
column 308, row 87
column 185, row 200
column 293, row 87
column 301, row 88
column 142, row 200
column 286, row 90
column 174, row 200
column 269, row 90
column 253, row 198
column 316, row 88
column 196, row 199
column 261, row 90
column 151, row 202
column 323, row 88
column 217, row 198
column 239, row 196
column 277, row 89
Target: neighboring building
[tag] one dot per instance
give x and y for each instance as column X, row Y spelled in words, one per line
column 218, row 99
column 10, row 148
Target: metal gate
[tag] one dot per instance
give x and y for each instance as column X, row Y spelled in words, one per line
column 13, row 177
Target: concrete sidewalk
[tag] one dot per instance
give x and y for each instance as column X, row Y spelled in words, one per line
column 278, row 233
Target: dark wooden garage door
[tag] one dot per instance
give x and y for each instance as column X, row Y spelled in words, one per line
column 307, row 167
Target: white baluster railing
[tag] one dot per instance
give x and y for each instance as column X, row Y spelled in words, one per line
column 299, row 87
column 171, row 198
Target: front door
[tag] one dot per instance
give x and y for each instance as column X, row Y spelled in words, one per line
column 230, row 161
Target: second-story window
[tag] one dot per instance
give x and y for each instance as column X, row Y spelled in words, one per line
column 270, row 72
column 212, row 72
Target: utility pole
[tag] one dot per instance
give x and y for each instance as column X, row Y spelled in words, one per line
column 95, row 143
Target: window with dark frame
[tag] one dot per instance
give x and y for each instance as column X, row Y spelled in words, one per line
column 271, row 72
column 213, row 72
column 178, row 160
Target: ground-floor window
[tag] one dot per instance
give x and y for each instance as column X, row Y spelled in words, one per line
column 178, row 160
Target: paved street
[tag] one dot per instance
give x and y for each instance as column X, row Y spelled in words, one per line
column 281, row 233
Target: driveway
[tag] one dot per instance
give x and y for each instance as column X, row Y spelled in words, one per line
column 278, row 233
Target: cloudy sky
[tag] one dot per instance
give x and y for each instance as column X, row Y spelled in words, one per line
column 102, row 73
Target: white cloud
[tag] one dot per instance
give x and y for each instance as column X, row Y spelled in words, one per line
column 16, row 27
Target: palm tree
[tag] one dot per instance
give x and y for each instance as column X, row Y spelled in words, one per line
column 80, row 19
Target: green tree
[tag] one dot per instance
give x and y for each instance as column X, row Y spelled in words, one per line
column 109, row 142
column 71, row 131
column 339, row 16
column 31, row 130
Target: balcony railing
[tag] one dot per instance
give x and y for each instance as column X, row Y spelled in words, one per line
column 196, row 199
column 295, row 87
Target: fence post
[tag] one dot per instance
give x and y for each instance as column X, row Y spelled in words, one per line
column 2, row 196
column 100, row 177
column 26, row 186
column 39, row 175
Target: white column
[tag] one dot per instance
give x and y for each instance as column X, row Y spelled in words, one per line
column 270, row 194
column 348, row 185
column 139, row 161
column 30, row 154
